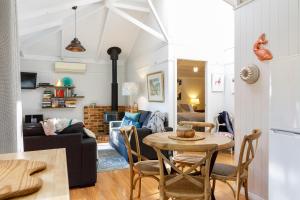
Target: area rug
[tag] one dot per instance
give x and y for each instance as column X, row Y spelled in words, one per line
column 109, row 159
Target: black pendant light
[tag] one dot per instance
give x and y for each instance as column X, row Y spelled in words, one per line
column 75, row 45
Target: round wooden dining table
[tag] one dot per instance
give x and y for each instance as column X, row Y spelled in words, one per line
column 163, row 141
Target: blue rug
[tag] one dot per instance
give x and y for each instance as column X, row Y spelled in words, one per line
column 109, row 159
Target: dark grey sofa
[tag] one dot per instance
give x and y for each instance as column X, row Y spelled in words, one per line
column 80, row 150
column 116, row 140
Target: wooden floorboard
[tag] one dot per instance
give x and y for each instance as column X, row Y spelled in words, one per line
column 114, row 185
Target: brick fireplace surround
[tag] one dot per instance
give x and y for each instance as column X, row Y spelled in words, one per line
column 93, row 118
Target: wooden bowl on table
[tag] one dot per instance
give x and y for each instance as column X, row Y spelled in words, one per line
column 185, row 132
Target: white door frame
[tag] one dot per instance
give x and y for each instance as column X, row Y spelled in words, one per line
column 175, row 84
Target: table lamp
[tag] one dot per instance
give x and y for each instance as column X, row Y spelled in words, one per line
column 130, row 89
column 195, row 102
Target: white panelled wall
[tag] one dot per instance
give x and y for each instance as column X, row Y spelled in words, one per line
column 280, row 20
column 10, row 103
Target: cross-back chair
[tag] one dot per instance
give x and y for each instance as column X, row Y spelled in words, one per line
column 183, row 159
column 239, row 173
column 143, row 167
column 209, row 126
column 184, row 184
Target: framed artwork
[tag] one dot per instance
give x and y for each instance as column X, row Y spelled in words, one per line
column 179, row 89
column 217, row 82
column 155, row 87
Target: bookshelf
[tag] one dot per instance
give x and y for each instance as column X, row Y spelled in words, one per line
column 58, row 97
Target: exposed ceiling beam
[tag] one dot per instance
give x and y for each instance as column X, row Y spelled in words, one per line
column 103, row 32
column 161, row 26
column 42, row 33
column 137, row 23
column 233, row 3
column 57, row 9
column 131, row 7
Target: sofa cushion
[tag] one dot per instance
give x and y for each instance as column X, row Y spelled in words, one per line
column 33, row 129
column 129, row 122
column 74, row 128
column 144, row 116
column 133, row 116
column 147, row 119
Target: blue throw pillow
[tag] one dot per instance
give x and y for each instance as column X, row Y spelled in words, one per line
column 129, row 122
column 133, row 116
column 126, row 121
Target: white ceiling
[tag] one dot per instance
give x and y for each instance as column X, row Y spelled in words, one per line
column 46, row 27
column 185, row 68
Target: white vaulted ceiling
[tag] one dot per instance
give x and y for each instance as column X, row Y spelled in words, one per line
column 46, row 27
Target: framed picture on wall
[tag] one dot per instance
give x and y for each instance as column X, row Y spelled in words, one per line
column 155, row 87
column 217, row 82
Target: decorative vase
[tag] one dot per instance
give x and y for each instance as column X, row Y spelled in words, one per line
column 67, row 81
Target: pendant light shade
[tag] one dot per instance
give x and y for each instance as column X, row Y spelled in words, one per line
column 75, row 45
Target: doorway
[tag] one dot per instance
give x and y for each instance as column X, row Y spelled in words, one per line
column 191, row 88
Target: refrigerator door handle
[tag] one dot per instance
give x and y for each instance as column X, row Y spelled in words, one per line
column 276, row 130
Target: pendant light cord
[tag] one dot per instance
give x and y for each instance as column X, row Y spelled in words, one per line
column 75, row 22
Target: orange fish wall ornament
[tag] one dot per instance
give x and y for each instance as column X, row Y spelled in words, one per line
column 259, row 50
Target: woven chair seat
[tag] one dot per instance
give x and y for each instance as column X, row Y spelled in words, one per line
column 187, row 159
column 148, row 167
column 224, row 170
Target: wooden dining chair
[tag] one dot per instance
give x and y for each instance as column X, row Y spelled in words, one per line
column 183, row 159
column 239, row 173
column 205, row 125
column 184, row 184
column 143, row 167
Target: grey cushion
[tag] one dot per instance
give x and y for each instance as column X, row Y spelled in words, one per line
column 224, row 169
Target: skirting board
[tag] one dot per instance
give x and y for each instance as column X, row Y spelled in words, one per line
column 252, row 196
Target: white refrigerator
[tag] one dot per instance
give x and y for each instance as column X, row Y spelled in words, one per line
column 284, row 140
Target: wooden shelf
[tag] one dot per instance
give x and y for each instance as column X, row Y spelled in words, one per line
column 56, row 87
column 68, row 98
column 59, row 107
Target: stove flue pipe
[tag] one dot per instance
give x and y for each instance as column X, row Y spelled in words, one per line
column 114, row 56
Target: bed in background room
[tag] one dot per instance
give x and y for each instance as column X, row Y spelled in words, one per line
column 185, row 112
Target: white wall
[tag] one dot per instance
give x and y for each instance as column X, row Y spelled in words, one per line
column 279, row 19
column 202, row 31
column 147, row 56
column 229, row 93
column 192, row 37
column 10, row 104
column 95, row 85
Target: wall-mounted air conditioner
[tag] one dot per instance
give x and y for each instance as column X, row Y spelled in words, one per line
column 64, row 67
